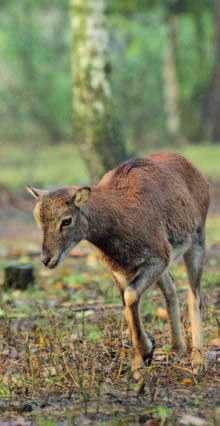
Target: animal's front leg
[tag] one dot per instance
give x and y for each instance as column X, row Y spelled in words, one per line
column 143, row 343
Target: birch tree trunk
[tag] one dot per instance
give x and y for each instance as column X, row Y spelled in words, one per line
column 96, row 128
column 171, row 92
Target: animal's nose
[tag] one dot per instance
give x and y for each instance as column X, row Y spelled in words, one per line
column 45, row 259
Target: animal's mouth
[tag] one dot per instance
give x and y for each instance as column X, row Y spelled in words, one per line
column 53, row 263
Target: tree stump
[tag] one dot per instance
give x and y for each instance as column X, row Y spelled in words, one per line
column 19, row 276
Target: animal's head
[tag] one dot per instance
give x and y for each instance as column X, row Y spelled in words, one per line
column 63, row 225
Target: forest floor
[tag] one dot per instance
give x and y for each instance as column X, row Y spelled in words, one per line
column 64, row 345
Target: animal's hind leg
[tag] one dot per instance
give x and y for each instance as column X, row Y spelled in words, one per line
column 194, row 258
column 168, row 290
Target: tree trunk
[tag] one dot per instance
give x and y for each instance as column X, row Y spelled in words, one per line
column 215, row 102
column 171, row 93
column 96, row 128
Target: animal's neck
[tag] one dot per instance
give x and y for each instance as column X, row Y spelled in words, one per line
column 99, row 217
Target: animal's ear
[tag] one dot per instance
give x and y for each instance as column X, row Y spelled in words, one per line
column 37, row 193
column 81, row 196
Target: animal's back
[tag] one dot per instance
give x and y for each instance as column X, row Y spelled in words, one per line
column 162, row 177
column 197, row 185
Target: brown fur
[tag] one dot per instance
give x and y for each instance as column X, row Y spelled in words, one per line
column 140, row 217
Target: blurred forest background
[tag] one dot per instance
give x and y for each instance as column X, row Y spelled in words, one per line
column 146, row 77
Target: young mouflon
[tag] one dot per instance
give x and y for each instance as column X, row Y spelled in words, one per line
column 140, row 217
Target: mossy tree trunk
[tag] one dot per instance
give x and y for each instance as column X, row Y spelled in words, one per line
column 96, row 128
column 170, row 81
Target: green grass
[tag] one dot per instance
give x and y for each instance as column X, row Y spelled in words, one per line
column 47, row 165
column 206, row 157
column 213, row 230
column 40, row 165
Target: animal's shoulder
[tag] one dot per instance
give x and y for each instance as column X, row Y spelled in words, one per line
column 136, row 171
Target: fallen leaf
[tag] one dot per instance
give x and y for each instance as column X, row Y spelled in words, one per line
column 216, row 342
column 58, row 285
column 191, row 420
column 63, row 299
column 155, row 297
column 161, row 313
column 160, row 357
column 52, row 371
column 36, row 330
column 186, row 382
column 156, row 422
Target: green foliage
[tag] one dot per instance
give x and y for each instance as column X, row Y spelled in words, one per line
column 36, row 83
column 136, row 77
column 36, row 87
column 170, row 6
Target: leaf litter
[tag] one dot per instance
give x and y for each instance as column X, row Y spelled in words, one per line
column 65, row 355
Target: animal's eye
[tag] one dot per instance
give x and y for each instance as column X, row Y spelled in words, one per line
column 66, row 222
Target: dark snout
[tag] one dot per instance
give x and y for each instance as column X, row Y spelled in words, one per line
column 45, row 259
column 48, row 260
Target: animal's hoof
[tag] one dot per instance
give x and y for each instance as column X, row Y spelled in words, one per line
column 140, row 362
column 148, row 357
